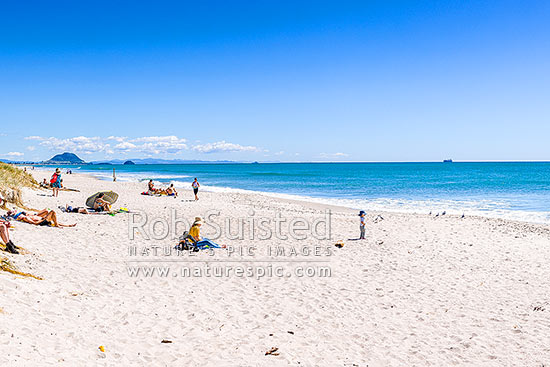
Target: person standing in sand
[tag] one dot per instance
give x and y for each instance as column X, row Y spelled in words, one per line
column 196, row 186
column 56, row 182
column 362, row 224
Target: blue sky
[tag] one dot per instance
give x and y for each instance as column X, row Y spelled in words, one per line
column 276, row 80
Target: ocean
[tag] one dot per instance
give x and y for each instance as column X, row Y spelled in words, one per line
column 512, row 190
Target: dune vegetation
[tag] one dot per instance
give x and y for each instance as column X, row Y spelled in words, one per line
column 12, row 180
column 7, row 266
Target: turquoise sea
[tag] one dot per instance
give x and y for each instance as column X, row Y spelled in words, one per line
column 514, row 190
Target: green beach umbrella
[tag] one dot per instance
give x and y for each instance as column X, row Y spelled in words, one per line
column 109, row 196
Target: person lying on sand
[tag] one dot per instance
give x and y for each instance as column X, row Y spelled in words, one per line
column 101, row 205
column 5, row 236
column 171, row 191
column 45, row 184
column 70, row 209
column 44, row 217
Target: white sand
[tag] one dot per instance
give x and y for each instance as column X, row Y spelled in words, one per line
column 419, row 291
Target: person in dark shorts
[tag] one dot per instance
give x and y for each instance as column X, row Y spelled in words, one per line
column 196, row 186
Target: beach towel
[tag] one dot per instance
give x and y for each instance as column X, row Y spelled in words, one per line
column 205, row 243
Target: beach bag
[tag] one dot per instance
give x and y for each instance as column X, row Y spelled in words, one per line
column 54, row 178
column 186, row 242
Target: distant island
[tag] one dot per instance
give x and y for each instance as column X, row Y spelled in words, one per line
column 128, row 163
column 65, row 158
column 447, row 161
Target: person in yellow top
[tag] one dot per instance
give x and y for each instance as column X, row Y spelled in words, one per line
column 195, row 229
column 200, row 242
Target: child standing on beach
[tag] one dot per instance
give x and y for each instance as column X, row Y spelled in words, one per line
column 362, row 224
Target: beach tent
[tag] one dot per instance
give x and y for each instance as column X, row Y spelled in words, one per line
column 109, row 196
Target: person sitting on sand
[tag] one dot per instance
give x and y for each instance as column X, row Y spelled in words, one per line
column 5, row 236
column 45, row 184
column 151, row 188
column 195, row 233
column 171, row 191
column 195, row 230
column 44, row 217
column 101, row 205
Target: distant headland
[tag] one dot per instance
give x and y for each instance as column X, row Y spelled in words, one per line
column 64, row 158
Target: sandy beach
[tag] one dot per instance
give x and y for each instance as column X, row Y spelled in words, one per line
column 420, row 291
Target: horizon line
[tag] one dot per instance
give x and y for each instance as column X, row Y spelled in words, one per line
column 99, row 162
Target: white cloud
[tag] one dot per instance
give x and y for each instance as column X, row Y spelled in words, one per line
column 159, row 144
column 223, row 146
column 333, row 155
column 117, row 138
column 159, row 139
column 125, row 145
column 14, row 154
column 78, row 144
column 88, row 145
column 148, row 145
column 32, row 148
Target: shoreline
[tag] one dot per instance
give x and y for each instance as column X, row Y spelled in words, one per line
column 319, row 202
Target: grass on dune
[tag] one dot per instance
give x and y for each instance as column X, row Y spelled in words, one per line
column 7, row 266
column 12, row 179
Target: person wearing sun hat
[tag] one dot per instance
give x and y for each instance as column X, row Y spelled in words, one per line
column 200, row 242
column 362, row 224
column 195, row 230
